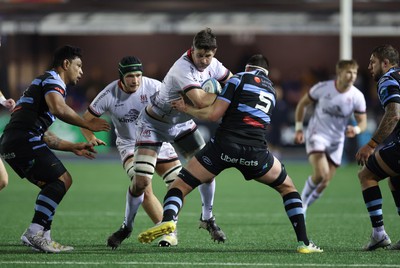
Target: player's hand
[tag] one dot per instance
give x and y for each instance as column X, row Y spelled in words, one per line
column 351, row 131
column 97, row 142
column 9, row 104
column 363, row 154
column 84, row 149
column 98, row 124
column 179, row 105
column 299, row 137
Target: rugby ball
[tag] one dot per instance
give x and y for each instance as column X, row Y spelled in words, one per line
column 211, row 85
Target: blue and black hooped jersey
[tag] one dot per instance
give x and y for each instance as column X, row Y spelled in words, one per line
column 389, row 87
column 252, row 98
column 31, row 112
column 389, row 90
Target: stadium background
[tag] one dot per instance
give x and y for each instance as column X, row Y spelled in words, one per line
column 302, row 40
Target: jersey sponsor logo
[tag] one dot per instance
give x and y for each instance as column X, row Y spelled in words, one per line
column 143, row 99
column 60, row 90
column 8, row 156
column 249, row 121
column 206, row 160
column 100, row 97
column 130, row 117
column 240, row 161
column 334, row 111
column 145, row 133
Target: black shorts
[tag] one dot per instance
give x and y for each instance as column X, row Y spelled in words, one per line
column 252, row 162
column 390, row 154
column 30, row 157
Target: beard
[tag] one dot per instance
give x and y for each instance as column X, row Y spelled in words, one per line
column 378, row 75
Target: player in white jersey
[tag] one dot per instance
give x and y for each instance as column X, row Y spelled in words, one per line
column 123, row 100
column 159, row 122
column 9, row 104
column 335, row 102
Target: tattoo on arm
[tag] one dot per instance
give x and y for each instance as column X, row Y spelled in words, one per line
column 388, row 122
column 51, row 140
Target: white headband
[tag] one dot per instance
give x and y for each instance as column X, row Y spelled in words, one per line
column 257, row 67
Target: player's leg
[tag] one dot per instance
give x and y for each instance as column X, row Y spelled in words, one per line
column 394, row 185
column 321, row 172
column 3, row 176
column 188, row 179
column 189, row 144
column 53, row 188
column 168, row 167
column 379, row 166
column 277, row 178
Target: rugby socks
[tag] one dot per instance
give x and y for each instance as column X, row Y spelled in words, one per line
column 396, row 192
column 312, row 198
column 309, row 186
column 46, row 203
column 207, row 191
column 373, row 201
column 294, row 210
column 131, row 207
column 172, row 204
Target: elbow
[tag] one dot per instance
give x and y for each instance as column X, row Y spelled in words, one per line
column 213, row 118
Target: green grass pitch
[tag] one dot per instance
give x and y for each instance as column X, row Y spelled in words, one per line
column 252, row 216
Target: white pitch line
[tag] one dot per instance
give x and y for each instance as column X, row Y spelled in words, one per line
column 199, row 264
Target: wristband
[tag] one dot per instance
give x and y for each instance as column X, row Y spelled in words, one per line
column 2, row 100
column 357, row 130
column 372, row 143
column 298, row 126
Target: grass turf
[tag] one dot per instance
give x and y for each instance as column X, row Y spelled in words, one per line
column 252, row 216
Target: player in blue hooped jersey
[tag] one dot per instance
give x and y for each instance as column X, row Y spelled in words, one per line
column 380, row 157
column 26, row 143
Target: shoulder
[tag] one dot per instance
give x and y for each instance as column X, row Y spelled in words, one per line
column 150, row 81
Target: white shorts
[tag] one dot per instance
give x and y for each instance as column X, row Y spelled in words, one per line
column 126, row 149
column 319, row 144
column 151, row 131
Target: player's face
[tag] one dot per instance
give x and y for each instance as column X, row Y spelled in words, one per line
column 202, row 58
column 375, row 68
column 132, row 81
column 74, row 71
column 348, row 76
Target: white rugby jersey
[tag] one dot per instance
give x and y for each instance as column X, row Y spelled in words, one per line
column 333, row 109
column 124, row 108
column 183, row 76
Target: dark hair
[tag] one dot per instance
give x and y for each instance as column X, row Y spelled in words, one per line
column 66, row 53
column 388, row 52
column 205, row 39
column 258, row 60
column 129, row 64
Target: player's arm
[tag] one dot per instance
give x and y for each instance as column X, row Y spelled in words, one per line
column 389, row 121
column 299, row 117
column 80, row 148
column 8, row 103
column 200, row 98
column 361, row 119
column 226, row 80
column 61, row 110
column 385, row 128
column 210, row 113
column 88, row 134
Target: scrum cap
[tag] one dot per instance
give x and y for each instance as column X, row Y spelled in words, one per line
column 129, row 64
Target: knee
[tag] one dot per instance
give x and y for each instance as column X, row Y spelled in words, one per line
column 3, row 184
column 140, row 185
column 67, row 179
